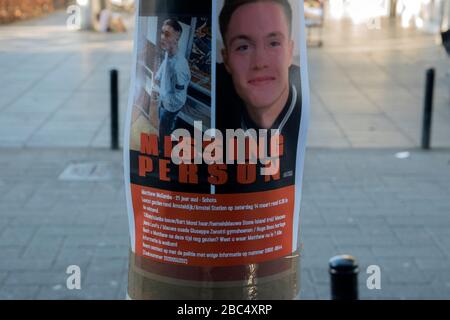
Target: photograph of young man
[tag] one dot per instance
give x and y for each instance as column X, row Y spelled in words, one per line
column 258, row 86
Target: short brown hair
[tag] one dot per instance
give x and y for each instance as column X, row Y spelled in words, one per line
column 230, row 6
column 174, row 24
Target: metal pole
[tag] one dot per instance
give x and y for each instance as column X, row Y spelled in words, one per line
column 428, row 109
column 344, row 277
column 114, row 77
column 393, row 8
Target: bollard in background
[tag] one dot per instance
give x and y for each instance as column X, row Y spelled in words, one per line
column 344, row 277
column 428, row 109
column 114, row 77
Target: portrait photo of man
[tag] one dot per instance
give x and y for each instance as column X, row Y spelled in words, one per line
column 171, row 91
column 258, row 84
column 165, row 89
column 172, row 78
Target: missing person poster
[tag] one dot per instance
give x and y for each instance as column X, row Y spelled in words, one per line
column 214, row 149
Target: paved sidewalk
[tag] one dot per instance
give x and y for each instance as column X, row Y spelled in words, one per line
column 366, row 100
column 55, row 83
column 385, row 211
column 366, row 85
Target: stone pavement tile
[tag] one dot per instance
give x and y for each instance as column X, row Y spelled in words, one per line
column 369, row 139
column 107, row 272
column 367, row 240
column 339, row 218
column 414, row 235
column 73, row 256
column 326, row 233
column 328, row 98
column 307, row 293
column 17, row 236
column 416, row 220
column 365, row 124
column 116, row 226
column 311, row 220
column 422, row 251
column 103, row 136
column 15, row 292
column 376, row 230
column 406, row 277
column 99, row 240
column 117, row 251
column 314, row 249
column 24, row 264
column 44, row 247
column 89, row 219
column 18, row 194
column 40, row 218
column 374, row 294
column 32, row 277
column 317, row 108
column 104, row 278
column 320, row 276
column 4, row 222
column 107, row 199
column 78, row 231
column 337, row 86
column 108, row 264
column 433, row 264
column 112, row 187
column 318, row 187
column 395, row 263
column 319, row 231
column 408, row 292
column 323, row 291
column 11, row 252
column 443, row 239
column 307, row 287
column 123, row 290
column 321, row 198
column 326, row 138
column 332, row 204
column 88, row 292
column 58, row 138
column 338, row 230
column 3, row 276
column 62, row 262
column 442, row 293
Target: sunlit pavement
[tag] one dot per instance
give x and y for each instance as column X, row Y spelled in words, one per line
column 359, row 198
column 55, row 83
column 367, row 85
column 385, row 211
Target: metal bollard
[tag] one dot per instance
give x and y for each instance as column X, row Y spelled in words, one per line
column 114, row 77
column 344, row 277
column 428, row 109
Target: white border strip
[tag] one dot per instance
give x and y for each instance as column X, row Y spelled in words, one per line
column 126, row 141
column 304, row 123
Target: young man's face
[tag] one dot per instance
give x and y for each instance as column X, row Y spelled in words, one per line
column 258, row 53
column 169, row 38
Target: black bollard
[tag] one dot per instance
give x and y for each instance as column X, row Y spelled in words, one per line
column 428, row 109
column 344, row 278
column 114, row 77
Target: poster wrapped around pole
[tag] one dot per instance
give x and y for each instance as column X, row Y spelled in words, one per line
column 214, row 149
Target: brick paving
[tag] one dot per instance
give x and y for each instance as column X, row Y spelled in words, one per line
column 386, row 211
